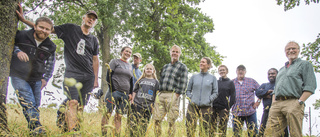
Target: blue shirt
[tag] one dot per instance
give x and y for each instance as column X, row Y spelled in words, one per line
column 261, row 93
column 136, row 73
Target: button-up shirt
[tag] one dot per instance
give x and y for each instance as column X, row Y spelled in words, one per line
column 136, row 73
column 261, row 93
column 174, row 77
column 244, row 96
column 292, row 81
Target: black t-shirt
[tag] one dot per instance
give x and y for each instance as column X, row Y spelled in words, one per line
column 146, row 92
column 78, row 50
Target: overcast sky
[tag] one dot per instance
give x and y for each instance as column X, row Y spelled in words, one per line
column 255, row 32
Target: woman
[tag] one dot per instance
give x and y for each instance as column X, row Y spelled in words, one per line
column 119, row 78
column 224, row 101
column 143, row 97
column 202, row 90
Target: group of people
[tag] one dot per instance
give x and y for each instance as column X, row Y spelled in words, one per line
column 140, row 94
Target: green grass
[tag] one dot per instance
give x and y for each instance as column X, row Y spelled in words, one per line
column 91, row 125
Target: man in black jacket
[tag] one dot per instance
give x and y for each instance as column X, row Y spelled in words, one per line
column 31, row 67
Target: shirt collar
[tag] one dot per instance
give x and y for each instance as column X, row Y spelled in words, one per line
column 295, row 60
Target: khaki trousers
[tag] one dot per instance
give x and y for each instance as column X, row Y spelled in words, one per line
column 285, row 113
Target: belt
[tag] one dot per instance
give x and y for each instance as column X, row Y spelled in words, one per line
column 285, row 97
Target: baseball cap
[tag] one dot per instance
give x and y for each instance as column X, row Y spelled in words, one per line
column 242, row 67
column 137, row 55
column 92, row 12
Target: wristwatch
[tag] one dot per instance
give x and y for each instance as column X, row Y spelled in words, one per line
column 259, row 100
column 300, row 102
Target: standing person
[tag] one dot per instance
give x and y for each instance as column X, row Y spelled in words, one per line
column 245, row 107
column 82, row 63
column 265, row 92
column 295, row 82
column 173, row 82
column 202, row 90
column 143, row 97
column 119, row 78
column 137, row 58
column 225, row 100
column 31, row 67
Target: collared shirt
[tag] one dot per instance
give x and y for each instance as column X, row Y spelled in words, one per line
column 136, row 73
column 244, row 96
column 292, row 81
column 261, row 93
column 174, row 77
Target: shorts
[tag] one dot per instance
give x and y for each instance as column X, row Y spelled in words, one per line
column 117, row 99
column 83, row 96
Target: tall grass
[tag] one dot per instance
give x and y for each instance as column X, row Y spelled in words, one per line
column 90, row 125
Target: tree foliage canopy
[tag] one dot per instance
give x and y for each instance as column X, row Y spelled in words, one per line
column 289, row 4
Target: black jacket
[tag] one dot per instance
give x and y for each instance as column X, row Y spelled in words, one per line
column 227, row 94
column 33, row 69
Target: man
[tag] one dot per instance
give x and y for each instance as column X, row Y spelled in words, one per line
column 173, row 82
column 265, row 92
column 81, row 58
column 137, row 58
column 295, row 82
column 31, row 67
column 245, row 107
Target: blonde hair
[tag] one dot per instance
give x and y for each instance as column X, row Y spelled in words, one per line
column 154, row 75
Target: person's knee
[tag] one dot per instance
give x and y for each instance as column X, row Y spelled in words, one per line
column 73, row 103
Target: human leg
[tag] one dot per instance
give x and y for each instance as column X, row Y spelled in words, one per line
column 159, row 112
column 27, row 100
column 251, row 122
column 263, row 123
column 294, row 115
column 192, row 118
column 237, row 124
column 173, row 112
column 206, row 120
column 276, row 121
column 223, row 116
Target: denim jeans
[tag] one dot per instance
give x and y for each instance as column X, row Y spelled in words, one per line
column 29, row 96
column 251, row 122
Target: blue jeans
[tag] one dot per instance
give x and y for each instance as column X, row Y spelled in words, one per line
column 29, row 96
column 251, row 122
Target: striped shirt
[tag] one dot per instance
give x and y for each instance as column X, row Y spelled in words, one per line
column 174, row 77
column 244, row 96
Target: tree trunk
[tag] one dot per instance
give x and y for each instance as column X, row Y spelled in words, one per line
column 104, row 39
column 8, row 28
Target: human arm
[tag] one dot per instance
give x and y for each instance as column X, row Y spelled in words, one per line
column 214, row 92
column 182, row 84
column 309, row 82
column 131, row 88
column 133, row 96
column 21, row 17
column 232, row 99
column 257, row 103
column 95, row 66
column 49, row 67
column 261, row 92
column 189, row 88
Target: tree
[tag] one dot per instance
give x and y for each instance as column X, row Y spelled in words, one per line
column 289, row 4
column 8, row 28
column 168, row 22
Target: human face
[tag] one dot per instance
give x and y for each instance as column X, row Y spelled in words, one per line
column 42, row 30
column 126, row 54
column 292, row 51
column 136, row 60
column 223, row 72
column 148, row 70
column 272, row 74
column 89, row 20
column 241, row 73
column 175, row 54
column 204, row 66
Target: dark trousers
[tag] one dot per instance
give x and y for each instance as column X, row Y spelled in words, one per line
column 205, row 115
column 221, row 117
column 251, row 122
column 139, row 120
column 263, row 124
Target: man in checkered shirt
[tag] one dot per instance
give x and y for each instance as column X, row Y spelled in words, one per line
column 173, row 82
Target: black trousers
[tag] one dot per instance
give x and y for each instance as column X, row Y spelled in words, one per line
column 139, row 120
column 204, row 114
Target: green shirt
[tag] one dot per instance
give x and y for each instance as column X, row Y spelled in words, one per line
column 293, row 80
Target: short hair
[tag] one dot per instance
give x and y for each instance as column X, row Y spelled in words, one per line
column 224, row 67
column 175, row 46
column 44, row 19
column 273, row 69
column 125, row 48
column 241, row 67
column 209, row 61
column 293, row 42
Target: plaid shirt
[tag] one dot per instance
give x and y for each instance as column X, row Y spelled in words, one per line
column 244, row 97
column 174, row 77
